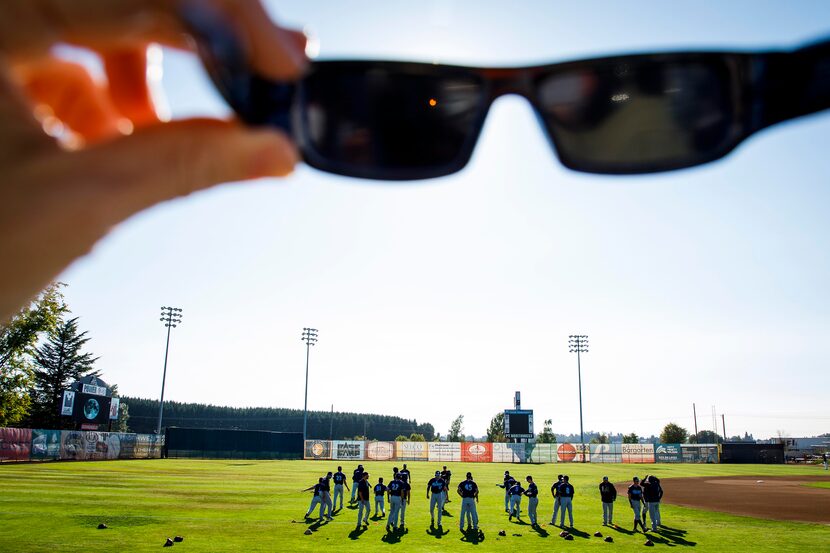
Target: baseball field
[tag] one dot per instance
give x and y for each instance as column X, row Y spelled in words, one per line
column 221, row 505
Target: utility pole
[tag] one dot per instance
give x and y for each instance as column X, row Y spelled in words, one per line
column 331, row 423
column 310, row 338
column 170, row 316
column 723, row 420
column 578, row 343
column 694, row 414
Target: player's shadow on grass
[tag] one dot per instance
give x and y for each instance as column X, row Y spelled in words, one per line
column 357, row 532
column 578, row 533
column 473, row 537
column 394, row 536
column 437, row 531
column 541, row 531
column 622, row 530
column 317, row 524
column 671, row 537
column 377, row 517
column 520, row 522
column 446, row 513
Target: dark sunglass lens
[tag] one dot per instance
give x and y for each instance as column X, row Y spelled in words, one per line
column 635, row 115
column 389, row 121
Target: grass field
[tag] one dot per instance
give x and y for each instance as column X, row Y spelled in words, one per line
column 252, row 505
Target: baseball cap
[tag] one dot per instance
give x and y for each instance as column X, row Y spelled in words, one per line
column 437, row 473
column 604, row 478
column 469, row 475
column 636, row 479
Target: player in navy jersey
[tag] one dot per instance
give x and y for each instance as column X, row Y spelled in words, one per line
column 405, row 474
column 635, row 498
column 515, row 492
column 554, row 490
column 438, row 488
column 357, row 476
column 468, row 490
column 316, row 497
column 405, row 496
column 339, row 481
column 363, row 488
column 508, row 483
column 394, row 490
column 446, row 475
column 532, row 494
column 380, row 494
column 328, row 504
column 566, row 495
column 608, row 495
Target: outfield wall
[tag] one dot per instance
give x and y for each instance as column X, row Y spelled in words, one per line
column 473, row 452
column 24, row 444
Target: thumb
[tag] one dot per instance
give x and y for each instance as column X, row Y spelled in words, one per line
column 175, row 159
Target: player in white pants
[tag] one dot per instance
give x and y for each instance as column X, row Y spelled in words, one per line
column 566, row 494
column 394, row 490
column 363, row 500
column 532, row 494
column 339, row 481
column 438, row 487
column 468, row 490
column 380, row 494
column 316, row 498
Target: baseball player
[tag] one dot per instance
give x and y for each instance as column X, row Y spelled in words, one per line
column 394, row 491
column 554, row 490
column 328, row 504
column 405, row 474
column 316, row 497
column 438, row 487
column 508, row 483
column 446, row 475
column 608, row 494
column 468, row 490
column 652, row 494
column 357, row 476
column 635, row 498
column 380, row 494
column 404, row 496
column 824, row 460
column 339, row 481
column 515, row 492
column 566, row 494
column 363, row 488
column 532, row 494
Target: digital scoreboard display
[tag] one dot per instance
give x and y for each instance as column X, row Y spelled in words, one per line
column 518, row 423
column 91, row 409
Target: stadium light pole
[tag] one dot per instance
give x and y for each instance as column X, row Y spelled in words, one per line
column 578, row 343
column 310, row 338
column 170, row 316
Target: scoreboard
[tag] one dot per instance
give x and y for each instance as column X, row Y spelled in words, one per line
column 518, row 423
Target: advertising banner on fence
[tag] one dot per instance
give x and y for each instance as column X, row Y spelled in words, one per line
column 411, row 451
column 317, row 449
column 573, row 453
column 46, row 444
column 15, row 444
column 476, row 452
column 445, row 451
column 347, row 450
column 606, row 453
column 702, row 453
column 637, row 453
column 509, row 453
column 148, row 446
column 667, row 453
column 540, row 453
column 380, row 451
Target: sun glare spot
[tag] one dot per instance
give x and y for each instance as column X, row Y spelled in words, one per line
column 433, row 102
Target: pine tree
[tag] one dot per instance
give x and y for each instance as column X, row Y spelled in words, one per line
column 58, row 363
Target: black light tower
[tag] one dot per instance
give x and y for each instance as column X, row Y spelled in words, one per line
column 578, row 343
column 310, row 338
column 170, row 316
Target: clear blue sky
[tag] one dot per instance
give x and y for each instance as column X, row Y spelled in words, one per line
column 442, row 298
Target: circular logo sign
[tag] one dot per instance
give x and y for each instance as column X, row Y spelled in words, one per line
column 477, row 449
column 91, row 409
column 317, row 449
column 567, row 452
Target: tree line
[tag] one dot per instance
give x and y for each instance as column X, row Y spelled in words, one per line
column 321, row 424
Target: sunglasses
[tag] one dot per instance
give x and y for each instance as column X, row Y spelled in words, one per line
column 629, row 114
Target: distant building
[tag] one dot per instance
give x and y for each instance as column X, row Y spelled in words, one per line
column 800, row 447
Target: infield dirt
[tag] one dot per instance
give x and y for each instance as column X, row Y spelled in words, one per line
column 777, row 498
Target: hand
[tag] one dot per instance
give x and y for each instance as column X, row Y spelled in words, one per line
column 55, row 204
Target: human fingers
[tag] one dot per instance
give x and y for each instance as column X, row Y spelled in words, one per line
column 73, row 97
column 30, row 28
column 170, row 160
column 128, row 83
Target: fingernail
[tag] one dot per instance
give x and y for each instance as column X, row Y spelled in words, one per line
column 272, row 154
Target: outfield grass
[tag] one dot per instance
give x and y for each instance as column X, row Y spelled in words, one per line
column 251, row 505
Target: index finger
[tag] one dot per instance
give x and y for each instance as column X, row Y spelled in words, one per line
column 30, row 29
